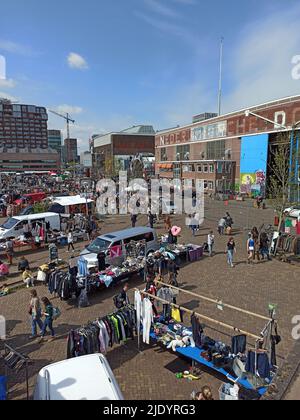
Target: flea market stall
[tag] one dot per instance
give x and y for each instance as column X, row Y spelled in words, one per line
column 252, row 366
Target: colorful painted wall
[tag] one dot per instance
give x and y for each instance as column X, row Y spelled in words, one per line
column 254, row 158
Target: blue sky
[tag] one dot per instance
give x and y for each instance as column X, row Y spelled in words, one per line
column 116, row 63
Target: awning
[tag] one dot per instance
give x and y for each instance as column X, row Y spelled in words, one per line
column 166, row 166
column 71, row 201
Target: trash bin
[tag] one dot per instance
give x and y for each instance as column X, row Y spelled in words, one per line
column 3, row 383
column 276, row 221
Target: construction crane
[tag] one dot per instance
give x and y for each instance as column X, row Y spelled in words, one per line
column 67, row 118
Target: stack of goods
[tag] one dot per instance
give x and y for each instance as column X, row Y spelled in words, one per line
column 113, row 274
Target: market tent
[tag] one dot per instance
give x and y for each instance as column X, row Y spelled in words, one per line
column 71, row 201
column 57, row 208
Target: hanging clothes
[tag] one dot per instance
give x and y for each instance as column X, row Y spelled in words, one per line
column 83, row 267
column 102, row 334
column 239, row 344
column 138, row 309
column 263, row 364
column 147, row 315
column 197, row 330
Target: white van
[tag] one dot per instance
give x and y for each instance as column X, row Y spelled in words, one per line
column 14, row 226
column 121, row 238
column 88, row 378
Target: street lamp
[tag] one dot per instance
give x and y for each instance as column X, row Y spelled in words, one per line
column 248, row 113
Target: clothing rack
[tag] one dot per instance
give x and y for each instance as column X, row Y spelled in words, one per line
column 258, row 339
column 203, row 317
column 217, row 302
column 18, row 358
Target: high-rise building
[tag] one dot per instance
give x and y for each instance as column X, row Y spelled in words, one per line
column 55, row 140
column 23, row 126
column 71, row 150
column 24, row 139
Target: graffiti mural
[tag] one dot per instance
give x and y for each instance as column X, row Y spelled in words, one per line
column 254, row 156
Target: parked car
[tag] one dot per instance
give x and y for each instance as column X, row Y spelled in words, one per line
column 121, row 238
column 293, row 212
column 88, row 378
column 14, row 226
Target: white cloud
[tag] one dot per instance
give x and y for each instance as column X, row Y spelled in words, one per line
column 8, row 83
column 172, row 29
column 259, row 69
column 161, row 9
column 9, row 97
column 186, row 2
column 16, row 48
column 70, row 109
column 262, row 63
column 76, row 61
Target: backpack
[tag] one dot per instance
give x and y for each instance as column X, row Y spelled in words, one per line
column 56, row 313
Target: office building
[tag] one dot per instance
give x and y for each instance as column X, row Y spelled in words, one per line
column 23, row 126
column 55, row 140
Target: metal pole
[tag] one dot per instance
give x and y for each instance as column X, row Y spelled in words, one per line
column 220, row 77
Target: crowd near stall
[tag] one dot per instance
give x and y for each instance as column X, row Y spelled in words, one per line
column 41, row 214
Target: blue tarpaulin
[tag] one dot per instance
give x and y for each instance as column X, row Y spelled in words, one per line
column 3, row 388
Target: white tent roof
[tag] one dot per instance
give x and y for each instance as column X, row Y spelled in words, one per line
column 71, row 201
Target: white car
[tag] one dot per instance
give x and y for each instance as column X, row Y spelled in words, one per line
column 83, row 378
column 293, row 212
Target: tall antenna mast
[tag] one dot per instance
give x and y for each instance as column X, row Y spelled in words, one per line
column 220, row 77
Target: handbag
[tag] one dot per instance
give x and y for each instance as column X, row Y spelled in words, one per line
column 30, row 310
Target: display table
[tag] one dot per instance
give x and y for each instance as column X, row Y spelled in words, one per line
column 194, row 354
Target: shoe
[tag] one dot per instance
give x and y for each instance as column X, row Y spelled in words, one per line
column 33, row 337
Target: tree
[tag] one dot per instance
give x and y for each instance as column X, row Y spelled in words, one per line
column 279, row 169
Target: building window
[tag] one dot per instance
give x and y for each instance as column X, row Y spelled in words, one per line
column 216, row 150
column 211, row 169
column 183, row 153
column 199, row 168
column 177, row 171
column 210, row 185
column 205, row 169
column 163, row 154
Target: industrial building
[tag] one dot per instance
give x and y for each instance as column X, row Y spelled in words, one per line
column 231, row 152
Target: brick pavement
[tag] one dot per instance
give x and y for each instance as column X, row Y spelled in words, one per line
column 150, row 375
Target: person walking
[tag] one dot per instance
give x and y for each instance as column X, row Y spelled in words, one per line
column 151, row 220
column 256, row 238
column 48, row 313
column 28, row 278
column 251, row 249
column 36, row 314
column 231, row 250
column 221, row 226
column 265, row 246
column 122, row 299
column 70, row 241
column 9, row 250
column 168, row 223
column 210, row 242
column 133, row 220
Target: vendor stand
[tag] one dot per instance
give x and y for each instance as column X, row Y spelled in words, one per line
column 254, row 372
